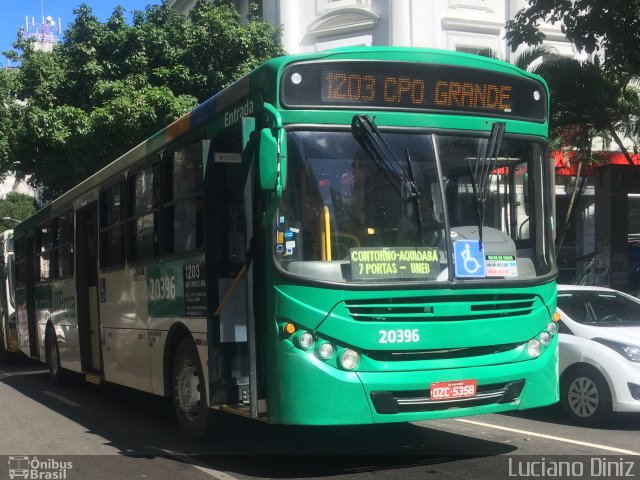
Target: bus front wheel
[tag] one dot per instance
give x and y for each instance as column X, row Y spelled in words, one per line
column 189, row 392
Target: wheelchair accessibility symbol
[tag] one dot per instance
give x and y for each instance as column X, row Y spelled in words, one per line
column 469, row 259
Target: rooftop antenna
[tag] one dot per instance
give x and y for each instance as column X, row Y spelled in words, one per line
column 46, row 34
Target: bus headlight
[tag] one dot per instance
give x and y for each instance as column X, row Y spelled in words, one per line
column 534, row 347
column 326, row 350
column 545, row 338
column 306, row 340
column 552, row 328
column 349, row 359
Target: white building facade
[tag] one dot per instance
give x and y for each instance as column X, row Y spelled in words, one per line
column 458, row 25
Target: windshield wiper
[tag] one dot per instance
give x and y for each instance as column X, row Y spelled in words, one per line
column 481, row 175
column 403, row 182
column 415, row 195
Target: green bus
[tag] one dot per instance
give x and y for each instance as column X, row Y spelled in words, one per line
column 356, row 236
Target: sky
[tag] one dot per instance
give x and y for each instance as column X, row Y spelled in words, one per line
column 13, row 14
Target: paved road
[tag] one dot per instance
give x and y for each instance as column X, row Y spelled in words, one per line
column 113, row 433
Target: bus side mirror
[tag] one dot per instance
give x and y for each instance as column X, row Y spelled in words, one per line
column 268, row 160
column 273, row 148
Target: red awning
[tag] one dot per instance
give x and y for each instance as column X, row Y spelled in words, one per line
column 566, row 167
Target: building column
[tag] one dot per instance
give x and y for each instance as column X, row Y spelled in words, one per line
column 401, row 23
column 612, row 184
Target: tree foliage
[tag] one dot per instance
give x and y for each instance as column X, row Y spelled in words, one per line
column 587, row 102
column 15, row 206
column 7, row 89
column 611, row 28
column 109, row 85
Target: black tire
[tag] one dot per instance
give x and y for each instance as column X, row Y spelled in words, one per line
column 4, row 355
column 56, row 373
column 585, row 396
column 189, row 392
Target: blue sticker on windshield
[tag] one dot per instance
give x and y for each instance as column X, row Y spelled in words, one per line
column 469, row 259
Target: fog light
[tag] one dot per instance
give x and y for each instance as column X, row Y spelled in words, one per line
column 350, row 359
column 326, row 350
column 552, row 328
column 306, row 340
column 534, row 347
column 634, row 390
column 545, row 338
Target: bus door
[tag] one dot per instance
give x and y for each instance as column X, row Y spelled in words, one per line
column 87, row 287
column 30, row 284
column 231, row 336
column 5, row 336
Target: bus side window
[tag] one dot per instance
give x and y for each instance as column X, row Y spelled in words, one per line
column 144, row 209
column 112, row 217
column 183, row 205
column 43, row 253
column 20, row 261
column 63, row 245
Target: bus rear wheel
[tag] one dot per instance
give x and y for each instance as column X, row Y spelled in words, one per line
column 4, row 354
column 189, row 392
column 53, row 359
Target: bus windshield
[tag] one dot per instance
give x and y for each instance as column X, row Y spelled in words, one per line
column 347, row 216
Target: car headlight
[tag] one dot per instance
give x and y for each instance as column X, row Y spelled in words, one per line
column 630, row 352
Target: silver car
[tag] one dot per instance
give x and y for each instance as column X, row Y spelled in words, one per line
column 599, row 352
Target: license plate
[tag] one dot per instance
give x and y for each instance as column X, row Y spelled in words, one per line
column 456, row 389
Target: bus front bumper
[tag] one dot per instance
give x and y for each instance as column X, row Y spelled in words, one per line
column 310, row 392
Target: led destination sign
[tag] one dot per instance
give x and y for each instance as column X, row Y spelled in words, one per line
column 408, row 86
column 386, row 263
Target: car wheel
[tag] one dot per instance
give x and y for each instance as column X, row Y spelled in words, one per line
column 189, row 392
column 585, row 396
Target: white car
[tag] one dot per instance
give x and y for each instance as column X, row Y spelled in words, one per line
column 599, row 338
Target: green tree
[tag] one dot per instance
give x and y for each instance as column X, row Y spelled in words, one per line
column 589, row 99
column 108, row 86
column 529, row 59
column 587, row 102
column 15, row 206
column 7, row 104
column 611, row 28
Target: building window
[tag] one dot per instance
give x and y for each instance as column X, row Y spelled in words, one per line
column 323, row 5
column 472, row 50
